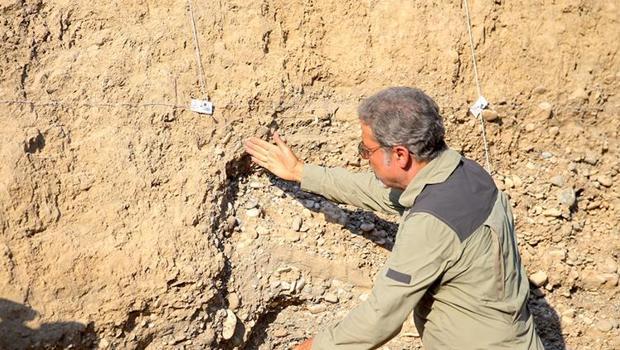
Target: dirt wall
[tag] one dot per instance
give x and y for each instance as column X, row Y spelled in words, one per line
column 125, row 226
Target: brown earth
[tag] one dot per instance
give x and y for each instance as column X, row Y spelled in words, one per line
column 127, row 227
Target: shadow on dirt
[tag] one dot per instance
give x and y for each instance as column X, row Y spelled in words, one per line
column 548, row 325
column 15, row 333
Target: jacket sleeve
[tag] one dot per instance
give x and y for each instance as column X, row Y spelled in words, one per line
column 362, row 190
column 423, row 249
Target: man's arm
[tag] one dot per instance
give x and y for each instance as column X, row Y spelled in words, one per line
column 424, row 248
column 362, row 190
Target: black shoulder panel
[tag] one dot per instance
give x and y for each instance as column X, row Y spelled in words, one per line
column 464, row 201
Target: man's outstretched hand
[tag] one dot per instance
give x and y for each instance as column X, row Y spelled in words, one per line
column 307, row 345
column 278, row 158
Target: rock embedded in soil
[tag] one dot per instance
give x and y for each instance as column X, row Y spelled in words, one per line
column 230, row 323
column 253, row 213
column 316, row 308
column 591, row 158
column 233, row 301
column 490, row 115
column 251, row 203
column 608, row 266
column 604, row 325
column 367, row 226
column 557, row 180
column 539, row 278
column 604, row 180
column 552, row 212
column 331, row 298
column 591, row 280
column 297, row 222
column 567, row 197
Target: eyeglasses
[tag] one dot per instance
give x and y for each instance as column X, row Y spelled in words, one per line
column 364, row 151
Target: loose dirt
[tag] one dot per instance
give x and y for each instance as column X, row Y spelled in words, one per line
column 146, row 227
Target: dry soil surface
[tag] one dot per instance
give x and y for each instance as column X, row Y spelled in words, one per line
column 128, row 225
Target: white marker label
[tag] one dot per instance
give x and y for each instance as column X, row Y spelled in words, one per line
column 477, row 107
column 201, row 106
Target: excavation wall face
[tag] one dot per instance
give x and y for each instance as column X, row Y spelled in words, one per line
column 127, row 223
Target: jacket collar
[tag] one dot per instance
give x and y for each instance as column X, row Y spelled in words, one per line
column 436, row 171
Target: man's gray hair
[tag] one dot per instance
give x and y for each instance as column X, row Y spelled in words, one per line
column 403, row 116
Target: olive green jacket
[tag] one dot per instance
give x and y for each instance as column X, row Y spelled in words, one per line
column 455, row 261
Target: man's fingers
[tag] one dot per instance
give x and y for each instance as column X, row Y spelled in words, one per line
column 279, row 141
column 259, row 162
column 267, row 146
column 256, row 150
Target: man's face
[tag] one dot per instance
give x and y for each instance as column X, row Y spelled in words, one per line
column 379, row 158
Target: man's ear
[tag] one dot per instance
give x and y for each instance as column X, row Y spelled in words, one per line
column 402, row 157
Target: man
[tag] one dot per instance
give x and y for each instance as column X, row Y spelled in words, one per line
column 454, row 262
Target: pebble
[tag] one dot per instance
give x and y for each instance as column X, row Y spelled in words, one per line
column 367, row 226
column 251, row 203
column 278, row 192
column 233, row 301
column 296, row 225
column 331, row 298
column 591, row 280
column 554, row 130
column 604, row 325
column 335, row 214
column 292, row 236
column 539, row 278
column 255, row 184
column 609, row 266
column 591, row 158
column 301, row 283
column 546, row 155
column 567, row 197
column 316, row 308
column 253, row 213
column 309, row 203
column 544, row 110
column 306, row 213
column 553, row 212
column 557, row 180
column 230, row 323
column 280, row 333
column 604, row 180
column 231, row 222
column 529, row 127
column 490, row 115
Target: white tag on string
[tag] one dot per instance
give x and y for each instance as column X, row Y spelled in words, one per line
column 201, row 106
column 478, row 106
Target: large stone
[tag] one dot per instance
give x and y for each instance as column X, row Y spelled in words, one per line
column 490, row 115
column 230, row 323
column 253, row 213
column 590, row 280
column 335, row 214
column 553, row 212
column 539, row 278
column 233, row 301
column 557, row 180
column 296, row 224
column 604, row 180
column 604, row 325
column 367, row 226
column 567, row 197
column 331, row 298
